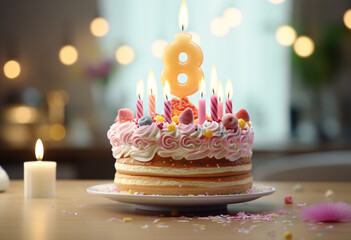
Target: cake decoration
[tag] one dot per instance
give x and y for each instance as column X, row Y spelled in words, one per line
column 186, row 117
column 242, row 113
column 144, row 120
column 124, row 114
column 230, row 121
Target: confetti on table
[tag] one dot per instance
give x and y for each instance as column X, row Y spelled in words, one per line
column 288, row 199
column 288, row 235
column 145, row 226
column 297, row 187
column 329, row 193
column 327, row 212
column 67, row 212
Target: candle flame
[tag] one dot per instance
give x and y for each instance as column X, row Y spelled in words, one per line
column 183, row 16
column 229, row 89
column 140, row 89
column 39, row 150
column 202, row 87
column 220, row 92
column 214, row 79
column 166, row 90
column 151, row 84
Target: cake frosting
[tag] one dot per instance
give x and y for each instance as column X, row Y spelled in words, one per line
column 185, row 142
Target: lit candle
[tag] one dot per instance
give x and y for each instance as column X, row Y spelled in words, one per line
column 174, row 64
column 228, row 93
column 139, row 103
column 152, row 91
column 167, row 103
column 202, row 103
column 220, row 100
column 39, row 176
column 214, row 99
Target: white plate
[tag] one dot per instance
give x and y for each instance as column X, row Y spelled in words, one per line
column 164, row 202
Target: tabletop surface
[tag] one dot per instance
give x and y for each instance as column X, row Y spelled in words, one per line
column 74, row 214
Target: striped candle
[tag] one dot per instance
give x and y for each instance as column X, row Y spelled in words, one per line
column 168, row 111
column 139, row 103
column 214, row 108
column 152, row 105
column 228, row 106
column 139, row 107
column 167, row 103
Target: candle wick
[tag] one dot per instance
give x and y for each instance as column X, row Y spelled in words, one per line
column 228, row 95
column 213, row 91
column 182, row 28
column 139, row 96
column 151, row 91
column 202, row 94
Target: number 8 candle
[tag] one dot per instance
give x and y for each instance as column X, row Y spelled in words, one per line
column 214, row 99
column 174, row 66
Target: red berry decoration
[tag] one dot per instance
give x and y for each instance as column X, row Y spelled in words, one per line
column 242, row 113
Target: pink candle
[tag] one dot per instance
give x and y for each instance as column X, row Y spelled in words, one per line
column 214, row 108
column 152, row 91
column 202, row 103
column 220, row 109
column 228, row 106
column 151, row 105
column 139, row 103
column 168, row 111
column 228, row 93
column 202, row 110
column 167, row 103
column 139, row 107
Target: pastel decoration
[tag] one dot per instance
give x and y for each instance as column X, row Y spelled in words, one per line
column 124, row 114
column 4, row 180
column 230, row 121
column 187, row 117
column 145, row 120
column 241, row 123
column 174, row 66
column 243, row 114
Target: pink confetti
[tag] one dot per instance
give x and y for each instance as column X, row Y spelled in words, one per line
column 328, row 212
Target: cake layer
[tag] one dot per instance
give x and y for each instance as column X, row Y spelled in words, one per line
column 183, row 186
column 207, row 167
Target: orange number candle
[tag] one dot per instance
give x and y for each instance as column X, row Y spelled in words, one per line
column 174, row 66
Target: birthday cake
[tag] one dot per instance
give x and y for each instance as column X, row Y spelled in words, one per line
column 182, row 157
column 182, row 151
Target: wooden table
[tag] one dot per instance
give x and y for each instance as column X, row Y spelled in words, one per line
column 74, row 214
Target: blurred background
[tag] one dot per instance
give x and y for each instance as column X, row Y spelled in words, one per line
column 68, row 66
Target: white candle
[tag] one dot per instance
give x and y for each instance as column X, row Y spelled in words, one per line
column 39, row 176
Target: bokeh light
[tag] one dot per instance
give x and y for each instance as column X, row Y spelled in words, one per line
column 219, row 27
column 21, row 114
column 233, row 17
column 285, row 35
column 157, row 47
column 57, row 132
column 195, row 38
column 12, row 69
column 304, row 46
column 276, row 1
column 125, row 55
column 347, row 19
column 68, row 55
column 99, row 27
